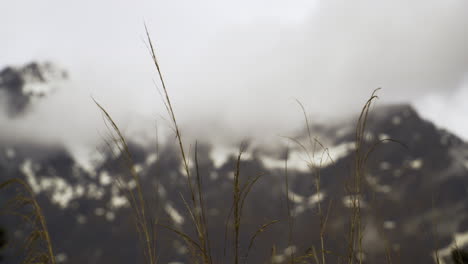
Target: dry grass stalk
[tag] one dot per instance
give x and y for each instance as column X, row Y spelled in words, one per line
column 38, row 245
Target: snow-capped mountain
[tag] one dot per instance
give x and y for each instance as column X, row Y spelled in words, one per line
column 22, row 86
column 414, row 198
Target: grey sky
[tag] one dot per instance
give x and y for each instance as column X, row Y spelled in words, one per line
column 237, row 66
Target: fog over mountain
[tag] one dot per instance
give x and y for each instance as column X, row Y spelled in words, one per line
column 237, row 68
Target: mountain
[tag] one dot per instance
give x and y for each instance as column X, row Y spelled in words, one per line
column 413, row 198
column 22, row 86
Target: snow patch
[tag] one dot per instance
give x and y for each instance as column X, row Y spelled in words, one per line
column 81, row 219
column 99, row 211
column 416, row 164
column 219, row 156
column 316, row 198
column 384, row 165
column 138, row 168
column 175, row 216
column 61, row 258
column 104, row 178
column 295, row 198
column 118, row 202
column 62, row 193
column 351, row 201
column 290, row 250
column 396, row 120
column 27, row 169
column 303, row 162
column 110, row 216
column 94, row 192
column 152, row 158
column 10, row 153
column 383, row 136
column 374, row 183
column 389, row 225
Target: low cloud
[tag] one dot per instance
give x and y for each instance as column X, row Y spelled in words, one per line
column 234, row 79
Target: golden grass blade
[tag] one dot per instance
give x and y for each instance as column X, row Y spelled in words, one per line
column 38, row 244
column 260, row 230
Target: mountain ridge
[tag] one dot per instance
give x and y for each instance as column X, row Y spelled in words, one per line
column 408, row 186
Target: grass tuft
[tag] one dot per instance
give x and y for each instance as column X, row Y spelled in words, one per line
column 37, row 247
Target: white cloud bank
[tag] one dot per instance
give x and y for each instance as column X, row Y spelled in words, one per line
column 236, row 67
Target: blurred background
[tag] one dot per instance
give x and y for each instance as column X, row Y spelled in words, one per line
column 234, row 72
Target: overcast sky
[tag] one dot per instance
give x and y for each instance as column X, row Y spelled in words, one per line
column 236, row 67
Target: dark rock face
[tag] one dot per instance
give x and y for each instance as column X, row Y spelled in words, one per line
column 21, row 86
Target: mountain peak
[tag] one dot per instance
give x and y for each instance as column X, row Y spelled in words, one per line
column 391, row 110
column 21, row 86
